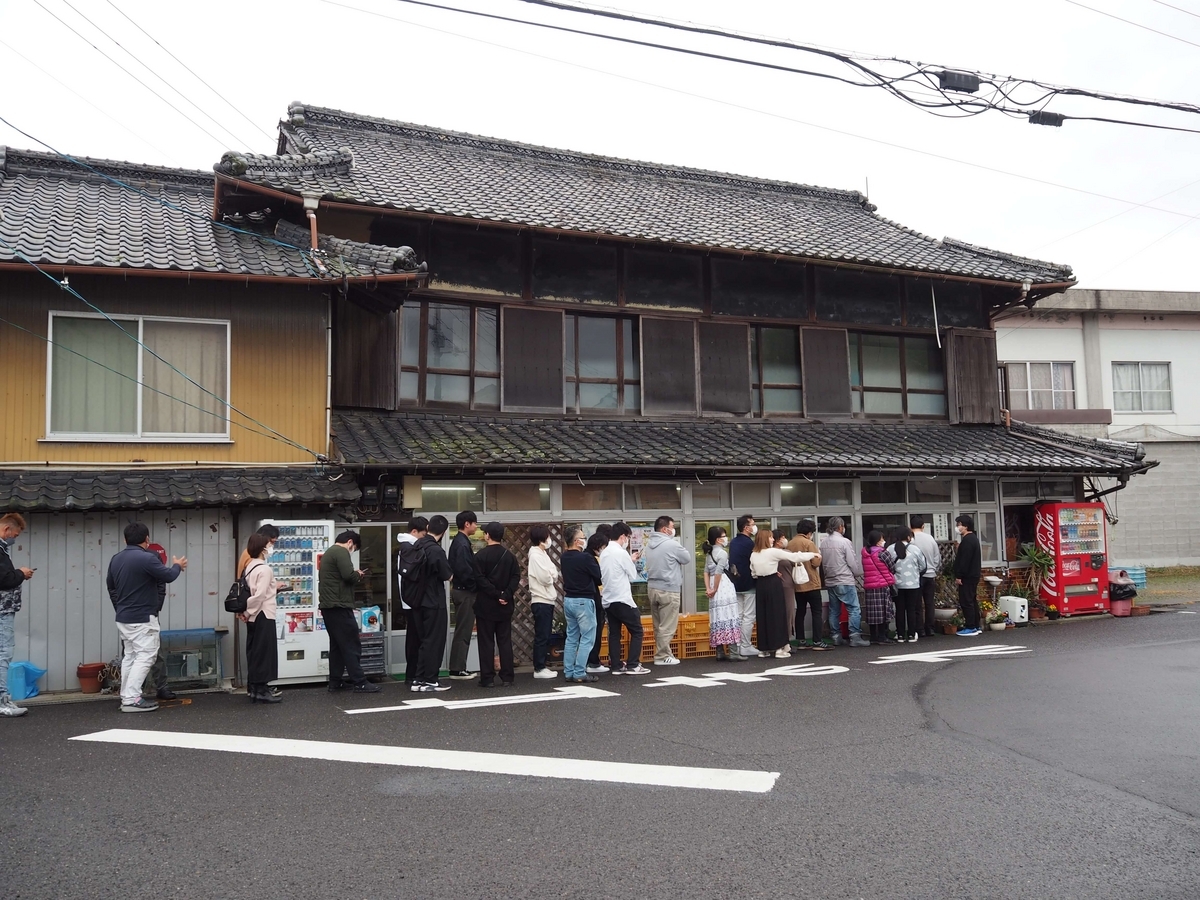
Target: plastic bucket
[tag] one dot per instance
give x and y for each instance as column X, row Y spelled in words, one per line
column 89, row 677
column 1121, row 607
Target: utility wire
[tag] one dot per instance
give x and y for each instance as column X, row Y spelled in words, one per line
column 1176, row 8
column 130, row 74
column 67, row 87
column 64, row 285
column 138, row 60
column 133, row 378
column 1165, row 34
column 763, row 112
column 219, row 95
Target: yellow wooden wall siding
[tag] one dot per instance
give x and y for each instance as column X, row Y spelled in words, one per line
column 277, row 364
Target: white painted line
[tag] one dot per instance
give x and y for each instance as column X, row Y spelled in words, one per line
column 570, row 692
column 938, row 656
column 740, row 780
column 1186, row 612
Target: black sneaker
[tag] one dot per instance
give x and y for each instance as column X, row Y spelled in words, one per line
column 165, row 693
column 367, row 688
column 487, row 684
column 462, row 675
column 335, row 686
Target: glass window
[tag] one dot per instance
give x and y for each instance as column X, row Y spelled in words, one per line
column 823, row 527
column 971, row 490
column 752, row 496
column 929, row 490
column 835, row 493
column 516, row 497
column 452, row 497
column 890, row 376
column 877, row 492
column 457, row 348
column 96, row 387
column 590, row 496
column 653, row 496
column 711, row 495
column 601, row 371
column 1141, row 387
column 775, row 370
column 801, row 493
column 1038, row 385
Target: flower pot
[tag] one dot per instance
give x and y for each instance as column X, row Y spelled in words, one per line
column 997, row 626
column 1053, row 615
column 89, row 677
column 944, row 615
column 948, row 628
column 1036, row 612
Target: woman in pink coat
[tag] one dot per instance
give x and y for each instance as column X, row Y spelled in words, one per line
column 878, row 579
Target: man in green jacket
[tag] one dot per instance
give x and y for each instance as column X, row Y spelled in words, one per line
column 336, row 584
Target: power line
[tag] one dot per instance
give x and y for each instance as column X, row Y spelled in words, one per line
column 763, row 112
column 138, row 60
column 64, row 285
column 130, row 74
column 1165, row 34
column 221, row 96
column 67, row 87
column 921, row 72
column 1117, row 215
column 1176, row 8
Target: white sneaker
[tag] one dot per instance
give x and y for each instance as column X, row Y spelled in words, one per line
column 545, row 673
column 639, row 669
column 748, row 652
column 10, row 709
column 669, row 661
column 598, row 670
column 783, row 654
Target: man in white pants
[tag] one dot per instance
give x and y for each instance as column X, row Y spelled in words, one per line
column 133, row 579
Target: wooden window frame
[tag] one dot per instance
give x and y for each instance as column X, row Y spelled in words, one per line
column 860, row 390
column 758, row 387
column 623, row 384
column 422, row 370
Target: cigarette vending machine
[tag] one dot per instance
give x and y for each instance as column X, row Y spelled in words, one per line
column 302, row 641
column 1074, row 534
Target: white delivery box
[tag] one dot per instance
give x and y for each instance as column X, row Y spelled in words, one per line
column 1016, row 608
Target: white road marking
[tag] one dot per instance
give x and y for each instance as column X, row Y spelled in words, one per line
column 570, row 692
column 683, row 680
column 1186, row 612
column 741, row 780
column 938, row 656
column 807, row 669
column 714, row 679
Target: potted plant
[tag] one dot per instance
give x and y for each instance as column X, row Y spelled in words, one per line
column 997, row 620
column 1051, row 611
column 945, row 591
column 1040, row 563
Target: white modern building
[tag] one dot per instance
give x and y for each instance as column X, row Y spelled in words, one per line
column 1121, row 365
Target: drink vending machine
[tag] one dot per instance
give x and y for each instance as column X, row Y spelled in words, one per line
column 303, row 643
column 1075, row 535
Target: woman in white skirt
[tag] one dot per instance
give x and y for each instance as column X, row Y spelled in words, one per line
column 724, row 628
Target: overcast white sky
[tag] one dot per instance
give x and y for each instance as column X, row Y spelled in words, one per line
column 511, row 81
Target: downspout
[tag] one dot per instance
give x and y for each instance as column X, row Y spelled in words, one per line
column 312, row 200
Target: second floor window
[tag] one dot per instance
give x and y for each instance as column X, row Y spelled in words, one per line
column 895, row 376
column 1141, row 387
column 450, row 356
column 1041, row 385
column 602, row 368
column 775, row 370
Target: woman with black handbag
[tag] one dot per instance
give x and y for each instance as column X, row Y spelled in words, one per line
column 262, row 659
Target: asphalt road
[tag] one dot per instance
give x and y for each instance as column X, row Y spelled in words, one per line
column 1066, row 772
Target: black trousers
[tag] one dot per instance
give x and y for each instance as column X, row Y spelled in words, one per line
column 412, row 646
column 431, row 624
column 928, row 589
column 594, row 654
column 968, row 602
column 543, row 623
column 344, row 648
column 909, row 614
column 809, row 600
column 262, row 656
column 494, row 635
column 623, row 614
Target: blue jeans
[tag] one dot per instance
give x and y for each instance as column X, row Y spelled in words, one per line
column 8, row 641
column 581, row 634
column 846, row 594
column 543, row 623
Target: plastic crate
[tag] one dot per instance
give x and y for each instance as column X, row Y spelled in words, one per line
column 372, row 658
column 693, row 627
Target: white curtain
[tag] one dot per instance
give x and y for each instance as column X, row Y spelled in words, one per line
column 86, row 397
column 198, row 350
column 1126, row 387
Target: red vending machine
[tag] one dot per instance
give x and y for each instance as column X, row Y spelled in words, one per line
column 1074, row 534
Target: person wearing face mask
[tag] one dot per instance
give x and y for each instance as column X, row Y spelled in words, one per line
column 740, row 549
column 271, row 533
column 769, row 591
column 262, row 657
column 12, row 579
column 581, row 576
column 542, row 597
column 724, row 622
column 665, row 559
column 618, row 572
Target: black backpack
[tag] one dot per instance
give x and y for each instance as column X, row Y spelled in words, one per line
column 239, row 593
column 410, row 564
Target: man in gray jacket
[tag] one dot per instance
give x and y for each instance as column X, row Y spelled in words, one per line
column 933, row 561
column 665, row 559
column 842, row 568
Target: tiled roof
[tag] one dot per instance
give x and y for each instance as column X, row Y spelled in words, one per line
column 57, row 213
column 170, row 489
column 377, row 162
column 421, row 440
column 352, row 255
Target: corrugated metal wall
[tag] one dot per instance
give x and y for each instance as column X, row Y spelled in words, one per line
column 66, row 617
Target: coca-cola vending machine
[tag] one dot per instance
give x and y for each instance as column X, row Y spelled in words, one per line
column 1074, row 534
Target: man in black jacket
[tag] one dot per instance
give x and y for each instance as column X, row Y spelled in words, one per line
column 462, row 592
column 12, row 579
column 429, row 613
column 968, row 562
column 498, row 580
